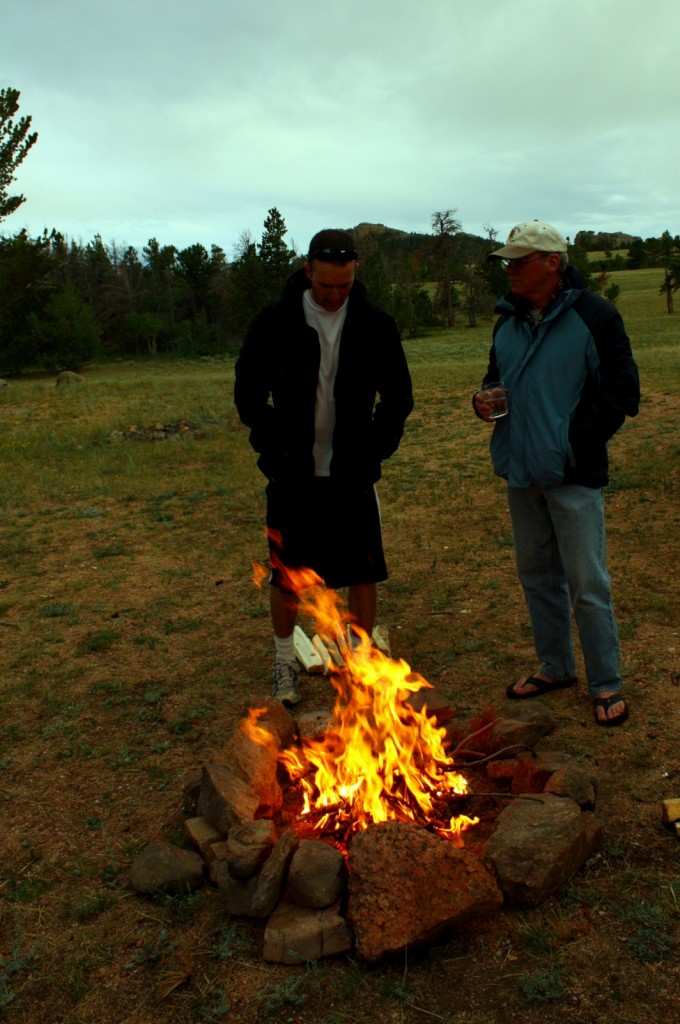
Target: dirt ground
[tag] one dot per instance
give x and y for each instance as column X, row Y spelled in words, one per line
column 126, row 662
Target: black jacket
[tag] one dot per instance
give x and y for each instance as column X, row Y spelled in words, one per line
column 276, row 380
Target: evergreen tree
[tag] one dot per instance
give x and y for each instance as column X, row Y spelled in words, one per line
column 445, row 228
column 274, row 255
column 28, row 273
column 66, row 332
column 15, row 143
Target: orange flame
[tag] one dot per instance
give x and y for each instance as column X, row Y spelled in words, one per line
column 380, row 758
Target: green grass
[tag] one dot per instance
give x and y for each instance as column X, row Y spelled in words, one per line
column 131, row 635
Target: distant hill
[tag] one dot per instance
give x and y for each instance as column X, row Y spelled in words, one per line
column 398, row 247
column 604, row 241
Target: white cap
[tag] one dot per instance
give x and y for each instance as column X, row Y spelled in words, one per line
column 531, row 236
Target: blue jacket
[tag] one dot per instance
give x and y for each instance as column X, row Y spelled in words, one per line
column 275, row 389
column 571, row 383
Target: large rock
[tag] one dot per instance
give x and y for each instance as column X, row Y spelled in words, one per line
column 538, row 844
column 296, row 935
column 407, row 885
column 237, row 893
column 575, row 782
column 272, row 877
column 249, row 846
column 256, row 762
column 164, row 868
column 317, row 875
column 225, row 800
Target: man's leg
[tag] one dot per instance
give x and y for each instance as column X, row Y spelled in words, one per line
column 284, row 612
column 541, row 574
column 578, row 515
column 362, row 601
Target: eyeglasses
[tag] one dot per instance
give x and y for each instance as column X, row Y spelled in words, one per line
column 518, row 264
column 334, row 255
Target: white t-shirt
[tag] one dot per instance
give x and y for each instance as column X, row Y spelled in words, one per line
column 329, row 328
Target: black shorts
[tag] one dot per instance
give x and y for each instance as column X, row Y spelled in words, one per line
column 328, row 527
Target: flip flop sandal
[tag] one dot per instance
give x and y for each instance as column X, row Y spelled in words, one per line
column 606, row 703
column 542, row 687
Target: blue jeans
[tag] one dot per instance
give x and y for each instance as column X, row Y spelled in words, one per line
column 560, row 550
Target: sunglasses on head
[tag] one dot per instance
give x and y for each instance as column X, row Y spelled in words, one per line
column 334, row 255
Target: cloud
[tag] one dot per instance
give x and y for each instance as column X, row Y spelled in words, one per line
column 191, row 121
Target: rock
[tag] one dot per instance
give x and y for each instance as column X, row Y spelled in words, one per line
column 256, row 763
column 201, row 833
column 164, row 868
column 531, row 774
column 271, row 879
column 524, row 727
column 575, row 782
column 538, row 844
column 407, row 885
column 225, row 800
column 312, row 725
column 249, row 846
column 317, row 875
column 274, row 717
column 68, row 377
column 431, row 702
column 296, row 935
column 215, row 853
column 237, row 894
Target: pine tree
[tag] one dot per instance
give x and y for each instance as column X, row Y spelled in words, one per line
column 15, row 143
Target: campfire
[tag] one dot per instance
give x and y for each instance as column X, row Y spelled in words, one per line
column 380, row 758
column 340, row 854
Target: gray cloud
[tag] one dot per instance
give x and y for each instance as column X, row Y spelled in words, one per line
column 188, row 121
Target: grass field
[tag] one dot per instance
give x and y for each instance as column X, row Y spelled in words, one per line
column 131, row 634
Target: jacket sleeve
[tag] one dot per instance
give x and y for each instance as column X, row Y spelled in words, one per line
column 395, row 395
column 252, row 387
column 614, row 393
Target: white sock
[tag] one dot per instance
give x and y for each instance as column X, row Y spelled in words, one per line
column 285, row 648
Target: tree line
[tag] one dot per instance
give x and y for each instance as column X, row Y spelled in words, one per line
column 64, row 303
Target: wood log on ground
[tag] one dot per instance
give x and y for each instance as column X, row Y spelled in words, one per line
column 381, row 640
column 306, row 652
column 333, row 650
column 670, row 811
column 322, row 651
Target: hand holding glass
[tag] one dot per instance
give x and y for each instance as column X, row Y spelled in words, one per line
column 495, row 397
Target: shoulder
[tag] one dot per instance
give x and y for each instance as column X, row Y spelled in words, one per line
column 362, row 310
column 596, row 312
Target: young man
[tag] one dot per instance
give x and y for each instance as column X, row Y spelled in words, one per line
column 565, row 359
column 322, row 382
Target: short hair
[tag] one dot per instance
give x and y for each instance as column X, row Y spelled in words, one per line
column 564, row 260
column 332, row 245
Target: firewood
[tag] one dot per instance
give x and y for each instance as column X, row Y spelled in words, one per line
column 670, row 811
column 322, row 651
column 333, row 650
column 306, row 653
column 381, row 640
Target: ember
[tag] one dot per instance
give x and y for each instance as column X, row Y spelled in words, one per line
column 380, row 759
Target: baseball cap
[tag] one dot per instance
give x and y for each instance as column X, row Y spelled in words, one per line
column 531, row 236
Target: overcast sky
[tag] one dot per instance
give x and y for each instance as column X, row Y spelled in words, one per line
column 186, row 120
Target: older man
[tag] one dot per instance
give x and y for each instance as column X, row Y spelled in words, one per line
column 323, row 383
column 564, row 357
